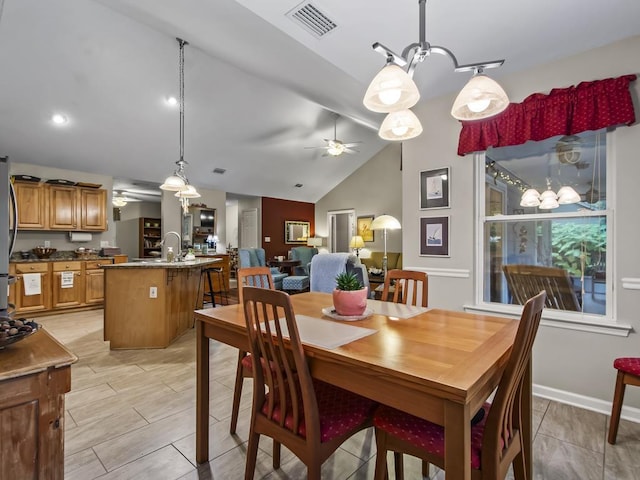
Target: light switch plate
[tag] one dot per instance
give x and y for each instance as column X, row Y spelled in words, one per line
column 153, row 292
column 47, row 243
column 267, row 239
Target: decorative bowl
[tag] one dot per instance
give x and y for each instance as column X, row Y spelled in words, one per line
column 20, row 335
column 43, row 252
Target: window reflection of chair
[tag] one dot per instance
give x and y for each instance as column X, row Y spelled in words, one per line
column 525, row 281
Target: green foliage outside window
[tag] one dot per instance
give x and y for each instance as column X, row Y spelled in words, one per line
column 571, row 240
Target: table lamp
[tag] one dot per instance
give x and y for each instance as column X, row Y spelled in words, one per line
column 385, row 222
column 314, row 242
column 212, row 240
column 356, row 243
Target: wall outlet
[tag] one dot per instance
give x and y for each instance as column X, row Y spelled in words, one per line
column 47, row 244
column 153, row 292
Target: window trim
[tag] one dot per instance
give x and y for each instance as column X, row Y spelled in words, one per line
column 569, row 320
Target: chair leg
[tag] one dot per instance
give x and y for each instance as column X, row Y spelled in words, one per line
column 381, row 456
column 425, row 469
column 237, row 392
column 276, row 455
column 618, row 397
column 314, row 470
column 398, row 465
column 252, row 454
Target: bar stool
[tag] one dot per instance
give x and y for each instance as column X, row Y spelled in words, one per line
column 209, row 296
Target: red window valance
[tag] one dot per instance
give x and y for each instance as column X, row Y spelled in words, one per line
column 564, row 111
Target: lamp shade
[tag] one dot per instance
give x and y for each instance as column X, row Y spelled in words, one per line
column 402, row 125
column 385, row 222
column 567, row 195
column 480, row 98
column 173, row 183
column 314, row 242
column 188, row 191
column 356, row 242
column 390, row 90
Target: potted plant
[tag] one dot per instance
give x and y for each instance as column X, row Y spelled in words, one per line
column 349, row 296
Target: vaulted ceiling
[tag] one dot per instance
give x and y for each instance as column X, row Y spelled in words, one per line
column 259, row 87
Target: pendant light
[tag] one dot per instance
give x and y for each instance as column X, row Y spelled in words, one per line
column 393, row 89
column 178, row 182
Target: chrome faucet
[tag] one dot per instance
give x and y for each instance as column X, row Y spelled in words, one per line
column 179, row 255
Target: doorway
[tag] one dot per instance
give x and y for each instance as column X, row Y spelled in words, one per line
column 341, row 229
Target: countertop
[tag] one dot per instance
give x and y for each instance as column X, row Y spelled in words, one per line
column 62, row 259
column 151, row 263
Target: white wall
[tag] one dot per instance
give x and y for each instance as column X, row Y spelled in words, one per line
column 373, row 189
column 567, row 360
column 140, row 209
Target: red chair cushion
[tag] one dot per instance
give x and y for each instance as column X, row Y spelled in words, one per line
column 424, row 434
column 247, row 362
column 339, row 410
column 628, row 365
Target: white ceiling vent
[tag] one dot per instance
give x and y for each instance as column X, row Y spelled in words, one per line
column 312, row 19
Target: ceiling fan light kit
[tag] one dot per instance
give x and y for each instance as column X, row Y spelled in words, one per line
column 335, row 147
column 393, row 88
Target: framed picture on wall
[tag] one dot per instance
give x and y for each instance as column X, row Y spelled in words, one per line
column 434, row 188
column 434, row 236
column 364, row 228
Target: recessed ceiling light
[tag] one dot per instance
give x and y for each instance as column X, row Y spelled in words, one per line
column 59, row 119
column 171, row 101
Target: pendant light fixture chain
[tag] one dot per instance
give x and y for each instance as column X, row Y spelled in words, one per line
column 182, row 43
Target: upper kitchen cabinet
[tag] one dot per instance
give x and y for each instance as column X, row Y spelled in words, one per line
column 61, row 207
column 32, row 205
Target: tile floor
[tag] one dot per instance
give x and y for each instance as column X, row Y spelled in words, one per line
column 131, row 415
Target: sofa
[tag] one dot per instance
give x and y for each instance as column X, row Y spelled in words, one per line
column 255, row 257
column 394, row 260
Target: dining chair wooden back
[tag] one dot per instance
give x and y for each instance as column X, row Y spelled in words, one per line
column 496, row 441
column 525, row 281
column 411, row 287
column 259, row 277
column 311, row 418
column 628, row 374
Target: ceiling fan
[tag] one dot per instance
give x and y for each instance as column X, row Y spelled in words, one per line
column 335, row 147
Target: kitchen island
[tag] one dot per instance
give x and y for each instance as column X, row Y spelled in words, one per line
column 149, row 304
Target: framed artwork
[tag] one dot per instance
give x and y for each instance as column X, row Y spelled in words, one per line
column 364, row 228
column 434, row 236
column 296, row 232
column 434, row 188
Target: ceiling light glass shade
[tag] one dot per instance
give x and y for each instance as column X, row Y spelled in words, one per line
column 335, row 148
column 356, row 242
column 480, row 98
column 173, row 183
column 530, row 198
column 390, row 90
column 189, row 191
column 567, row 195
column 402, row 125
column 118, row 201
column 548, row 200
column 385, row 222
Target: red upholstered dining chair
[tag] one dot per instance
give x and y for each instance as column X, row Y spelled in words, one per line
column 259, row 277
column 496, row 441
column 408, row 283
column 311, row 418
column 628, row 374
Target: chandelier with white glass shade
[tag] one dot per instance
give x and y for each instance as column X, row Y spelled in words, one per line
column 394, row 92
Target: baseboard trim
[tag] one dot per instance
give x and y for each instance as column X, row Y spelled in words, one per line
column 588, row 403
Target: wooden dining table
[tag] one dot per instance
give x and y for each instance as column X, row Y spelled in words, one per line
column 439, row 365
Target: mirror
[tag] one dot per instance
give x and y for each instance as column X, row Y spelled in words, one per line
column 296, row 232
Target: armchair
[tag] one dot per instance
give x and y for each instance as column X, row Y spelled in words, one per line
column 304, row 254
column 324, row 268
column 255, row 257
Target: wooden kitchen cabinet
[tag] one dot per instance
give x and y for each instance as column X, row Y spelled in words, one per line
column 33, row 303
column 94, row 281
column 63, row 208
column 93, row 211
column 35, row 374
column 32, row 198
column 67, row 285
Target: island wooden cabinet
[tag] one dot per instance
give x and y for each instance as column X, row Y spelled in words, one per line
column 35, row 374
column 32, row 205
column 60, row 207
column 67, row 285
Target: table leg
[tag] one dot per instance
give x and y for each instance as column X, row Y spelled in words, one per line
column 527, row 405
column 457, row 441
column 202, row 394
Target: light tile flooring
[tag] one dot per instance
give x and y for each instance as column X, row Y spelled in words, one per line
column 131, row 415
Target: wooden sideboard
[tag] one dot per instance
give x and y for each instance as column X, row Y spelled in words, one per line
column 35, row 374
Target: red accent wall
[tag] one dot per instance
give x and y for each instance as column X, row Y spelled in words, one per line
column 275, row 212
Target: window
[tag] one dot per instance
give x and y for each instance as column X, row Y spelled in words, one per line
column 555, row 237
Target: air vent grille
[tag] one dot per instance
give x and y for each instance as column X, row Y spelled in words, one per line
column 311, row 18
column 298, row 185
column 219, row 171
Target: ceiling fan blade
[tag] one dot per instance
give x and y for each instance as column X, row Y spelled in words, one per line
column 350, row 150
column 352, row 144
column 307, row 148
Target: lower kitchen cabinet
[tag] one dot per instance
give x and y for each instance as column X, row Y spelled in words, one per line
column 68, row 288
column 28, row 298
column 94, row 281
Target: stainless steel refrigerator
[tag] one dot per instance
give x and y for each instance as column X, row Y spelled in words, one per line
column 8, row 232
